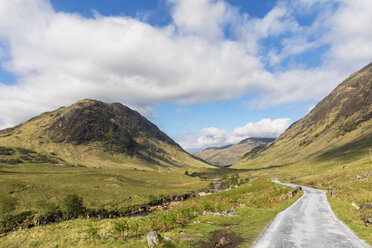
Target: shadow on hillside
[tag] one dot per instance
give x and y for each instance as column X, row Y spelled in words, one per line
column 350, row 151
column 229, row 171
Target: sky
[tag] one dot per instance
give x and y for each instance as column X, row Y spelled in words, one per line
column 207, row 72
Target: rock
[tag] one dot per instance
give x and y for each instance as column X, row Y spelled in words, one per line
column 290, row 195
column 332, row 192
column 282, row 197
column 182, row 232
column 359, row 177
column 200, row 235
column 168, row 238
column 188, row 239
column 105, row 235
column 367, row 205
column 152, row 239
column 204, row 213
column 230, row 212
column 223, row 242
column 196, row 222
column 355, row 206
column 202, row 194
column 242, row 205
column 216, row 213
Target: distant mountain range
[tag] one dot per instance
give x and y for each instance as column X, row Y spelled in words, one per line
column 229, row 154
column 94, row 133
column 338, row 128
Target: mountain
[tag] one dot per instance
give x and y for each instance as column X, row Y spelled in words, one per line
column 94, row 133
column 229, row 154
column 338, row 128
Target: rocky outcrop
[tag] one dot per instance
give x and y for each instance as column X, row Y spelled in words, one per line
column 152, row 239
column 294, row 191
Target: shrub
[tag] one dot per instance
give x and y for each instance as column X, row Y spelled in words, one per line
column 46, row 207
column 72, row 206
column 211, row 185
column 234, row 179
column 121, row 227
column 92, row 232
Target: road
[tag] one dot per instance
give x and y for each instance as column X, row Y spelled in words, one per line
column 308, row 223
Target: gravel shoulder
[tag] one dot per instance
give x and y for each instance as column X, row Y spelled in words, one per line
column 309, row 222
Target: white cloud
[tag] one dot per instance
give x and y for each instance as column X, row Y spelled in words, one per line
column 214, row 137
column 200, row 17
column 60, row 58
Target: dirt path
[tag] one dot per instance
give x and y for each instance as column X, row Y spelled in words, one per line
column 309, row 222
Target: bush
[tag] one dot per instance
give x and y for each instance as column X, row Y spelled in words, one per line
column 92, row 232
column 121, row 227
column 211, row 185
column 72, row 206
column 234, row 179
column 46, row 207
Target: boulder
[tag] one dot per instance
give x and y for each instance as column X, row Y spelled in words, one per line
column 188, row 239
column 230, row 212
column 152, row 239
column 168, row 238
column 355, row 206
column 294, row 191
column 332, row 192
column 223, row 242
column 359, row 177
column 282, row 197
column 367, row 205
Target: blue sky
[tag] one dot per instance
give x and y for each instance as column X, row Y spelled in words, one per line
column 207, row 72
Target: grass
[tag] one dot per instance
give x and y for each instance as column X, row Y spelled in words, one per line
column 108, row 188
column 256, row 203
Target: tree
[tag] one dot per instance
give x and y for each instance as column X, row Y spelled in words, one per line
column 72, row 206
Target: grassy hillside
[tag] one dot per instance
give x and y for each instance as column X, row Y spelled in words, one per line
column 227, row 155
column 339, row 128
column 94, row 133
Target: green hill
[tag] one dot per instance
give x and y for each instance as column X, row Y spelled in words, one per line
column 338, row 128
column 227, row 155
column 94, row 133
column 329, row 148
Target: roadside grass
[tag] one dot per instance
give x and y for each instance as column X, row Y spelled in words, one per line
column 256, row 203
column 339, row 175
column 343, row 180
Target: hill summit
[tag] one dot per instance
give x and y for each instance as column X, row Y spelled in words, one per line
column 111, row 132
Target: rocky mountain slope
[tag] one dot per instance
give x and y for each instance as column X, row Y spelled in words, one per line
column 227, row 155
column 95, row 133
column 338, row 128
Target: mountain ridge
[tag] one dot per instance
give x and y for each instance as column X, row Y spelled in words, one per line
column 106, row 131
column 339, row 119
column 229, row 154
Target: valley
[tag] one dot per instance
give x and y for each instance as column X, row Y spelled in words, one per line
column 92, row 163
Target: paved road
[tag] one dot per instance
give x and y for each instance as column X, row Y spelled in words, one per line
column 308, row 223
